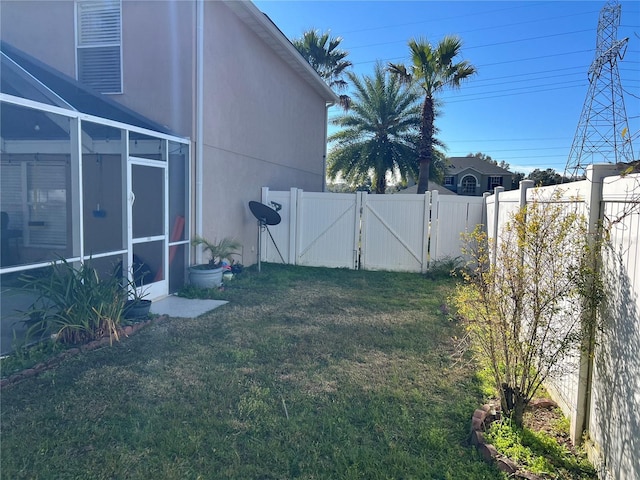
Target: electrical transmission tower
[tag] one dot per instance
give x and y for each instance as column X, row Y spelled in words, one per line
column 603, row 133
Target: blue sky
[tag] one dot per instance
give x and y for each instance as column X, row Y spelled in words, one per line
column 524, row 105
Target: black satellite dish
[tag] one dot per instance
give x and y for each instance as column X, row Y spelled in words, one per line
column 264, row 213
column 266, row 216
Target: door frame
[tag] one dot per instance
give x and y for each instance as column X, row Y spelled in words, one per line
column 160, row 288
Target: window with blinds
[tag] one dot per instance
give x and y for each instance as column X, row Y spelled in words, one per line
column 47, row 203
column 98, row 40
column 34, row 195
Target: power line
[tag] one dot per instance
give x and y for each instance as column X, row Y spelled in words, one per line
column 530, row 80
column 563, row 147
column 526, row 39
column 512, row 94
column 490, row 64
column 554, row 70
column 480, row 29
column 516, row 139
column 368, row 29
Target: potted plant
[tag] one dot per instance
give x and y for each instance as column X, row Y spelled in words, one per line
column 209, row 275
column 136, row 306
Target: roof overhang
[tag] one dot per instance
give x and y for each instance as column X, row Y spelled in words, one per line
column 262, row 26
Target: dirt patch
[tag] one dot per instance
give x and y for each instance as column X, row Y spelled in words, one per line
column 551, row 421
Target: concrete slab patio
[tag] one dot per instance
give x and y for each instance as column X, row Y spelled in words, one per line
column 181, row 307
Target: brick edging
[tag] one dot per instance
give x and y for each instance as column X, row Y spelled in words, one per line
column 480, row 421
column 56, row 360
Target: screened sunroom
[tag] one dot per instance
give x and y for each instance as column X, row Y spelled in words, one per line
column 86, row 180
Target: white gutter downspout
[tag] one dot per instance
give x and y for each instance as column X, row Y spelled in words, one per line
column 199, row 118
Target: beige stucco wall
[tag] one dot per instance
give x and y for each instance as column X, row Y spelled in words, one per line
column 43, row 29
column 264, row 126
column 158, row 62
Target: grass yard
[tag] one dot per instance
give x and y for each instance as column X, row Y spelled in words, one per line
column 307, row 373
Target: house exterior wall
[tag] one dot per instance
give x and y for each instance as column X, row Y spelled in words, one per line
column 482, row 179
column 43, row 29
column 264, row 125
column 158, row 62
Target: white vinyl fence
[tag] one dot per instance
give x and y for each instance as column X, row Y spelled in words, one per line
column 600, row 392
column 372, row 232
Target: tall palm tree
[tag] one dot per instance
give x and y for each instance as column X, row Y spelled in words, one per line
column 323, row 54
column 379, row 132
column 433, row 69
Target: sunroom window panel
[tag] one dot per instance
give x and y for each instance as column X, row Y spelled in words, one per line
column 36, row 169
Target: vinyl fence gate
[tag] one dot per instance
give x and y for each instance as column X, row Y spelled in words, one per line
column 369, row 232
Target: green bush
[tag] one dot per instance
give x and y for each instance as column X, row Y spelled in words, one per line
column 445, row 267
column 539, row 452
column 74, row 304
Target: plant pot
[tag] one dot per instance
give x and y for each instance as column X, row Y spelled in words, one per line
column 137, row 308
column 203, row 277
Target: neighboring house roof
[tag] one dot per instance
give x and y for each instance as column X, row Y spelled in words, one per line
column 264, row 27
column 432, row 186
column 459, row 164
column 41, row 77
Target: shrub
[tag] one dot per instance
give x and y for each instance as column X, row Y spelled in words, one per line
column 74, row 304
column 524, row 309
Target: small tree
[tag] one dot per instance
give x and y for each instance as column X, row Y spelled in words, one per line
column 524, row 309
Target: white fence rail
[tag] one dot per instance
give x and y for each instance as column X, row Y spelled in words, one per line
column 372, row 232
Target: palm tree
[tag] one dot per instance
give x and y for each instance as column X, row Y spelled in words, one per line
column 433, row 69
column 322, row 53
column 380, row 131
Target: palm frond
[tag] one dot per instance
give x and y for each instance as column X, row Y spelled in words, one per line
column 324, row 55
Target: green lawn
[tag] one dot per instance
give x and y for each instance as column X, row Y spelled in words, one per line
column 307, row 373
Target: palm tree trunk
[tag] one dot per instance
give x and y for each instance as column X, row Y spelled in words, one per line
column 425, row 148
column 381, row 182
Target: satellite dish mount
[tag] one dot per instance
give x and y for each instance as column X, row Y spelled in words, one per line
column 266, row 216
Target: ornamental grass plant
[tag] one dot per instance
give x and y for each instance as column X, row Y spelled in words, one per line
column 74, row 304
